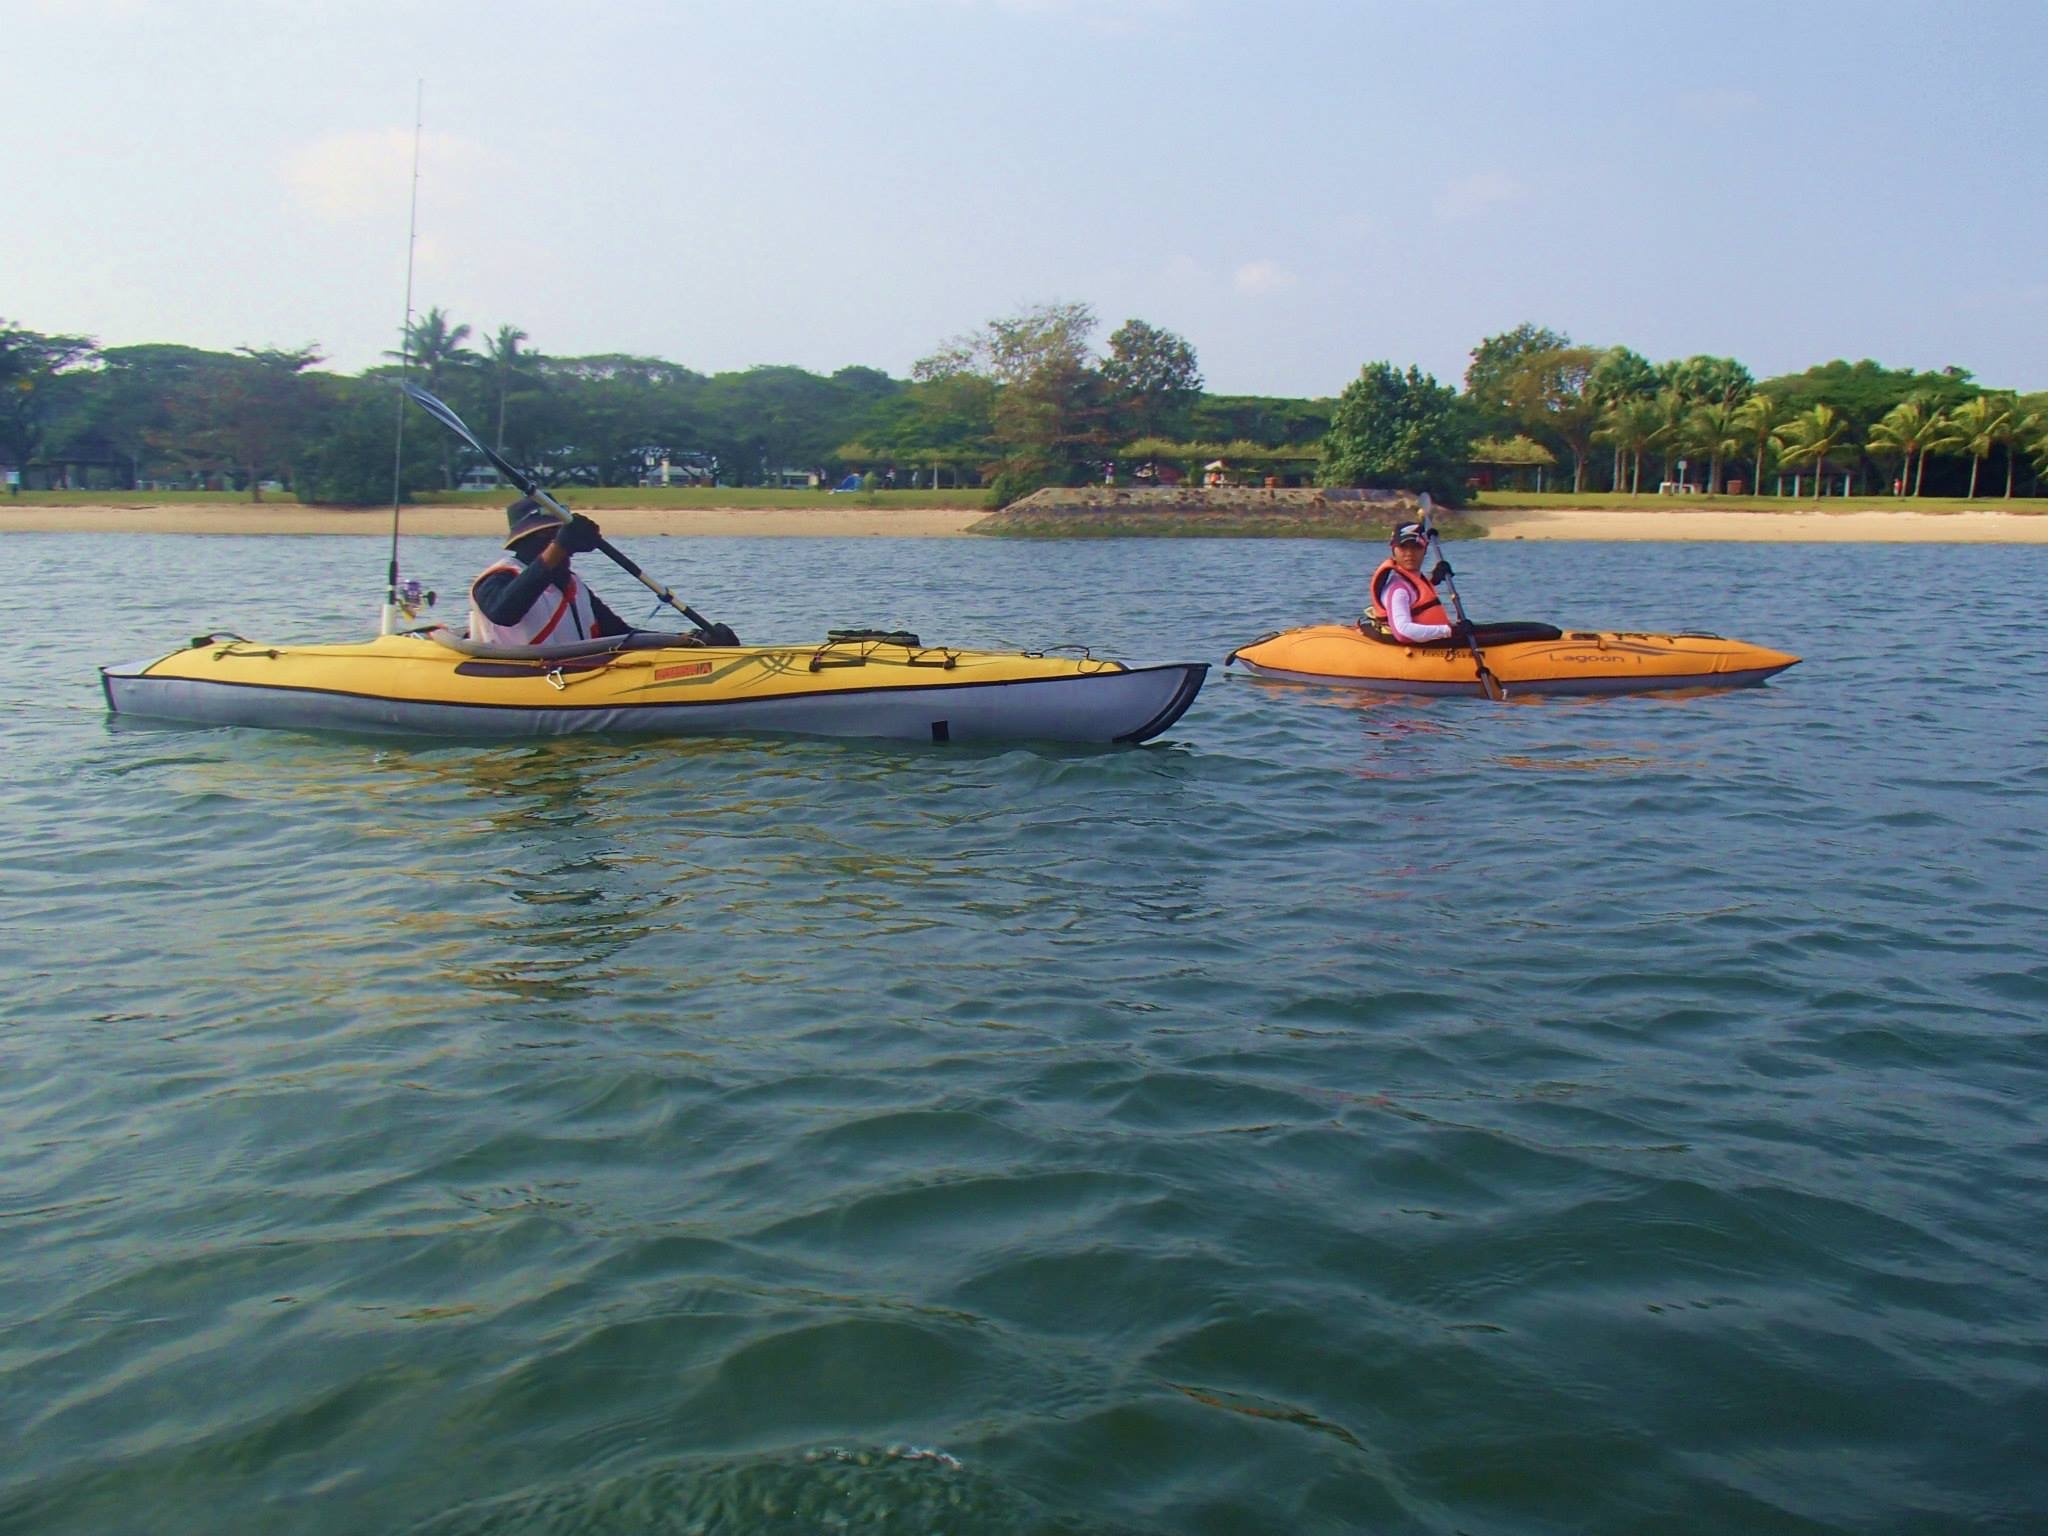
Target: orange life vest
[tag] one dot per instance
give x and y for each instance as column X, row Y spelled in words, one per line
column 1427, row 607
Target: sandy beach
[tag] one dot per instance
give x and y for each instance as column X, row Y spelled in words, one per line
column 1808, row 525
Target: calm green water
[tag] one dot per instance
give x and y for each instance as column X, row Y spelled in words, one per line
column 1424, row 1116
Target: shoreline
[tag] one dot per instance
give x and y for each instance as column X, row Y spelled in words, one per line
column 1671, row 524
column 489, row 521
column 1810, row 525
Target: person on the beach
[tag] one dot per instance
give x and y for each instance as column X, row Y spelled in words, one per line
column 1402, row 603
column 529, row 596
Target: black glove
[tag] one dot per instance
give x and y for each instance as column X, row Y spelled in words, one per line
column 1441, row 573
column 579, row 535
column 1462, row 631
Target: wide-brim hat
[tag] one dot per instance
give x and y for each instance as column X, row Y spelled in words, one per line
column 526, row 517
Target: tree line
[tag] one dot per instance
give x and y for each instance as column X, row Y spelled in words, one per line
column 1535, row 402
column 1024, row 401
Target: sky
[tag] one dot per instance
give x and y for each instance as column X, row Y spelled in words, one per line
column 1297, row 187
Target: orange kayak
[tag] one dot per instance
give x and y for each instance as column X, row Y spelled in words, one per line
column 1527, row 659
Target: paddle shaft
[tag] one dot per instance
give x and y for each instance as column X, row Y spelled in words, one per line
column 625, row 563
column 528, row 485
column 1488, row 683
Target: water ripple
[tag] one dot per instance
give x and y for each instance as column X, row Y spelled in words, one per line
column 1352, row 1114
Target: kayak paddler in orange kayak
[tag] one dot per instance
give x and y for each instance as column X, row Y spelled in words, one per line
column 1402, row 604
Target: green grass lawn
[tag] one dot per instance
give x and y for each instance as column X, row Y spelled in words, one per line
column 572, row 496
column 679, row 496
column 142, row 499
column 1496, row 501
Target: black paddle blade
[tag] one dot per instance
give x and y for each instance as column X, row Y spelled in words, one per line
column 718, row 634
column 441, row 413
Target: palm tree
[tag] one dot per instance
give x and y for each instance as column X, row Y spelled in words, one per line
column 434, row 347
column 1759, row 418
column 1882, row 450
column 1630, row 424
column 1941, row 436
column 1715, row 430
column 2031, row 434
column 2019, row 426
column 503, row 351
column 1906, row 431
column 1913, row 429
column 1670, row 410
column 1981, row 424
column 1810, row 437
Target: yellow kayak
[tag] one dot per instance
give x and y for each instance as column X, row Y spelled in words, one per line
column 1526, row 658
column 855, row 683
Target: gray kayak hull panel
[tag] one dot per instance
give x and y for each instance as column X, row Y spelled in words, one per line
column 1130, row 705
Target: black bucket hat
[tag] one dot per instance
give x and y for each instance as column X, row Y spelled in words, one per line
column 527, row 516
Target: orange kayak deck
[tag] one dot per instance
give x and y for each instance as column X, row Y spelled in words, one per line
column 1577, row 661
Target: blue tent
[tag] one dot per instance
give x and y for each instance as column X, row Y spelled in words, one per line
column 850, row 483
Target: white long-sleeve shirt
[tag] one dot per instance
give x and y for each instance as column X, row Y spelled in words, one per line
column 1401, row 623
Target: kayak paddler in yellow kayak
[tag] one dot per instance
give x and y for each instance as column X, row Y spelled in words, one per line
column 530, row 595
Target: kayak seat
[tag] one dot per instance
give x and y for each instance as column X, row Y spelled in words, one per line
column 638, row 640
column 1512, row 632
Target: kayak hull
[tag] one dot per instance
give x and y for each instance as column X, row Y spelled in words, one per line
column 413, row 686
column 1574, row 662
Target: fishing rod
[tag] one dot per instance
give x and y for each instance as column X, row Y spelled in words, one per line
column 405, row 601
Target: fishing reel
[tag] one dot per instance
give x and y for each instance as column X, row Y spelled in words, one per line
column 409, row 597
